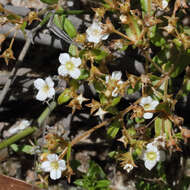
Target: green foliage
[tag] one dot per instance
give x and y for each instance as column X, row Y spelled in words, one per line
column 94, row 179
column 113, row 129
column 49, row 2
column 28, row 149
column 64, row 96
column 98, row 54
column 65, row 24
column 69, row 28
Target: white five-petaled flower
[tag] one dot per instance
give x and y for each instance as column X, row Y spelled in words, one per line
column 95, row 32
column 45, row 88
column 152, row 155
column 115, row 79
column 54, row 166
column 148, row 104
column 69, row 66
column 128, row 167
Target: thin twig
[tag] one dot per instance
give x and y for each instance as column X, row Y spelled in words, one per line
column 13, row 75
column 84, row 136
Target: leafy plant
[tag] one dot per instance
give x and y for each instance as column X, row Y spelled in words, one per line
column 94, row 179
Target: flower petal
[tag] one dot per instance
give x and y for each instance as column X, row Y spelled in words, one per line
column 39, row 83
column 75, row 73
column 76, row 61
column 51, row 93
column 148, row 115
column 145, row 100
column 94, row 32
column 46, row 166
column 150, row 164
column 62, row 165
column 62, row 70
column 94, row 39
column 105, row 36
column 116, row 75
column 41, row 95
column 64, row 57
column 150, row 146
column 154, row 104
column 49, row 82
column 52, row 157
column 55, row 174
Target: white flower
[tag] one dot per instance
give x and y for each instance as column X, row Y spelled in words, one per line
column 115, row 79
column 100, row 113
column 95, row 32
column 69, row 66
column 128, row 167
column 148, row 104
column 164, row 4
column 54, row 166
column 45, row 88
column 21, row 126
column 116, row 75
column 152, row 155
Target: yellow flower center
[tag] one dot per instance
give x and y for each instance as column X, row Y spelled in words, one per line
column 54, row 165
column 69, row 65
column 151, row 155
column 147, row 106
column 95, row 32
column 46, row 88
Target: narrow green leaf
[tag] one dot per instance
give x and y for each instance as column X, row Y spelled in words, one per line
column 115, row 101
column 69, row 28
column 68, row 152
column 99, row 54
column 79, row 182
column 147, row 6
column 102, row 183
column 188, row 85
column 23, row 26
column 133, row 30
column 59, row 20
column 15, row 147
column 95, row 171
column 49, row 2
column 158, row 126
column 73, row 50
column 167, row 127
column 64, row 97
column 113, row 129
column 84, row 74
column 27, row 149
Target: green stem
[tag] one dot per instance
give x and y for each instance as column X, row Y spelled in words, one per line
column 29, row 130
column 46, row 113
column 17, row 137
